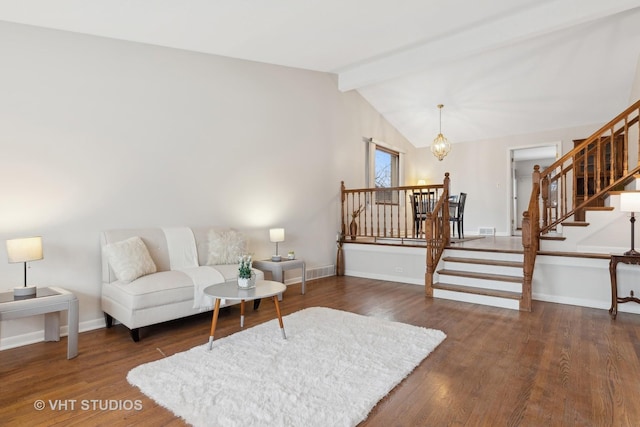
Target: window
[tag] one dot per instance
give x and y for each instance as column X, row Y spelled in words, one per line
column 386, row 174
column 384, row 169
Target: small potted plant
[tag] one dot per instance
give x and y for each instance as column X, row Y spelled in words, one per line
column 246, row 276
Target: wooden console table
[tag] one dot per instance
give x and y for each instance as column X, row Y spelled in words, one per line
column 613, row 264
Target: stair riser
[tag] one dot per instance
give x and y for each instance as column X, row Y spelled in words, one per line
column 480, row 283
column 484, row 268
column 493, row 256
column 477, row 299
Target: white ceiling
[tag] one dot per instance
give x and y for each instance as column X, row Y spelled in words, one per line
column 500, row 67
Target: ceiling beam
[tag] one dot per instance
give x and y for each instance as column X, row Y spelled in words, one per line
column 528, row 23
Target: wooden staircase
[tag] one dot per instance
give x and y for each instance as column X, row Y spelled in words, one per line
column 578, row 182
column 481, row 276
column 562, row 197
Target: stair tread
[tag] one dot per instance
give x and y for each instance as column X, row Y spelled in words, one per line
column 483, row 276
column 478, row 291
column 598, row 208
column 544, row 237
column 575, row 224
column 499, row 263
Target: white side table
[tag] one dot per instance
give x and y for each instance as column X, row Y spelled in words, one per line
column 277, row 268
column 50, row 302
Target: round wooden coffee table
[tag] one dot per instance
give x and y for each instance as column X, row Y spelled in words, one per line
column 263, row 289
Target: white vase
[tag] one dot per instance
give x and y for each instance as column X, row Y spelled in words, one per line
column 247, row 282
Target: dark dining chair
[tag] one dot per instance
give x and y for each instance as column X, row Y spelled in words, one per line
column 456, row 213
column 421, row 203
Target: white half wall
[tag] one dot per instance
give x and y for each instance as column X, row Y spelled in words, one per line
column 582, row 282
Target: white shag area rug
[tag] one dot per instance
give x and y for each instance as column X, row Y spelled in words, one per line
column 331, row 370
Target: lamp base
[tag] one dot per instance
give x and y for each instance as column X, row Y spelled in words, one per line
column 632, row 252
column 24, row 291
column 276, row 258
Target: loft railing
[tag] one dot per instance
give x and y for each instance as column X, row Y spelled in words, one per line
column 385, row 214
column 373, row 214
column 594, row 167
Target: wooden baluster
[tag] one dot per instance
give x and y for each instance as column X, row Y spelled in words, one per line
column 598, row 171
column 343, row 228
column 446, row 230
column 612, row 159
column 638, row 133
column 406, row 212
column 625, row 147
column 563, row 209
column 377, row 215
column 545, row 198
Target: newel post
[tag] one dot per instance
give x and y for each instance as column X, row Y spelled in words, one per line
column 445, row 214
column 529, row 262
column 436, row 236
column 431, row 268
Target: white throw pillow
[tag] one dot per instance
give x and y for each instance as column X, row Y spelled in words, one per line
column 225, row 247
column 130, row 259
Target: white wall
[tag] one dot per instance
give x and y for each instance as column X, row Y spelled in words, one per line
column 99, row 134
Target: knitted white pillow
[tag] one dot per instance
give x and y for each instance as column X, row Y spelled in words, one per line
column 225, row 247
column 130, row 259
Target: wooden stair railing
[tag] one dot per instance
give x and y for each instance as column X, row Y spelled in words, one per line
column 594, row 167
column 561, row 179
column 437, row 235
column 386, row 213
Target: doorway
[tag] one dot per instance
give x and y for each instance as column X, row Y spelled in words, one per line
column 522, row 162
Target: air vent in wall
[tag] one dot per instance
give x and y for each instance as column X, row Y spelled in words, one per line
column 487, row 231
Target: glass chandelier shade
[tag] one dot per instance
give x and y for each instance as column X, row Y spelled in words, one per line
column 441, row 146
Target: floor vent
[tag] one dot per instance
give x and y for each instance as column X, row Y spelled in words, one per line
column 487, row 231
column 318, row 272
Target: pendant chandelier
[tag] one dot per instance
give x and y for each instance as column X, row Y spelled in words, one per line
column 441, row 146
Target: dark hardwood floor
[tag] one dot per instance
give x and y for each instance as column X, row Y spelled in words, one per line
column 558, row 365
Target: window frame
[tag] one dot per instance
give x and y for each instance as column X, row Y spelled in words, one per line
column 397, row 175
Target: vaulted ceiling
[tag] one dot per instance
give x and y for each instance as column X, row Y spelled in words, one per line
column 500, row 67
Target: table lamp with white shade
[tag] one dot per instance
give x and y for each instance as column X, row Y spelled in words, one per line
column 276, row 235
column 24, row 250
column 630, row 202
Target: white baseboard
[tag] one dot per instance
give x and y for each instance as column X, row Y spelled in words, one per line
column 89, row 325
column 389, row 278
column 38, row 336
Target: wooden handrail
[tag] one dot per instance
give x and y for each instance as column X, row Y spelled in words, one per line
column 554, row 197
column 605, row 175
